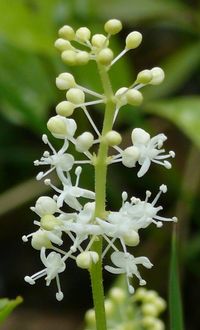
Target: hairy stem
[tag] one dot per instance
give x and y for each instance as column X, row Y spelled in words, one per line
column 100, row 190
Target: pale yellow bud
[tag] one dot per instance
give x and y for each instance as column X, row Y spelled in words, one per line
column 121, row 96
column 62, row 45
column 82, row 58
column 131, row 238
column 133, row 40
column 56, row 125
column 84, row 141
column 90, row 317
column 113, row 138
column 109, row 307
column 39, row 240
column 99, row 41
column 148, row 321
column 65, row 108
column 75, row 95
column 140, row 293
column 83, row 34
column 150, row 296
column 69, row 57
column 149, row 309
column 86, row 259
column 113, row 26
column 105, row 56
column 66, row 32
column 144, row 77
column 117, row 295
column 158, row 76
column 134, row 97
column 160, row 304
column 49, row 222
column 65, row 81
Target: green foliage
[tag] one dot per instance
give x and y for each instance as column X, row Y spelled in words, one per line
column 7, row 306
column 175, row 303
column 184, row 112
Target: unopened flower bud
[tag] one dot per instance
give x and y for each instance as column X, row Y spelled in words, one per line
column 65, row 108
column 140, row 294
column 45, row 205
column 86, row 259
column 150, row 296
column 49, row 222
column 99, row 41
column 65, row 81
column 158, row 325
column 69, row 57
column 149, row 309
column 158, row 76
column 90, row 317
column 39, row 240
column 82, row 58
column 117, row 295
column 113, row 138
column 61, row 127
column 75, row 95
column 148, row 321
column 130, row 156
column 113, row 26
column 144, row 77
column 84, row 142
column 133, row 40
column 105, row 56
column 66, row 32
column 121, row 96
column 131, row 238
column 83, row 34
column 62, row 44
column 160, row 304
column 140, row 136
column 109, row 307
column 134, row 97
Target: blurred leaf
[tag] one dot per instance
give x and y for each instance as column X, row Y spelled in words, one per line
column 175, row 303
column 178, row 69
column 28, row 23
column 134, row 10
column 183, row 112
column 25, row 89
column 7, row 306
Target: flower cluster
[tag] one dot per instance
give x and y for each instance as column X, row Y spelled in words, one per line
column 141, row 311
column 80, row 222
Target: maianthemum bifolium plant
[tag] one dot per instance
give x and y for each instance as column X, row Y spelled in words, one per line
column 89, row 222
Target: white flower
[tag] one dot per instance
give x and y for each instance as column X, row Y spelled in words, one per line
column 45, row 205
column 54, row 265
column 60, row 161
column 148, row 150
column 127, row 264
column 83, row 225
column 133, row 216
column 70, row 193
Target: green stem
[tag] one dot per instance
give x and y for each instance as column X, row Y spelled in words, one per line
column 100, row 191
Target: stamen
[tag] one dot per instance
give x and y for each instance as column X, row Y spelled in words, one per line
column 59, row 294
column 78, row 174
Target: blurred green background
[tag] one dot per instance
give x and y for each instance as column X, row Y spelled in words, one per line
column 28, row 67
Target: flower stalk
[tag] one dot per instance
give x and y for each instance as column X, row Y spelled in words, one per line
column 90, row 222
